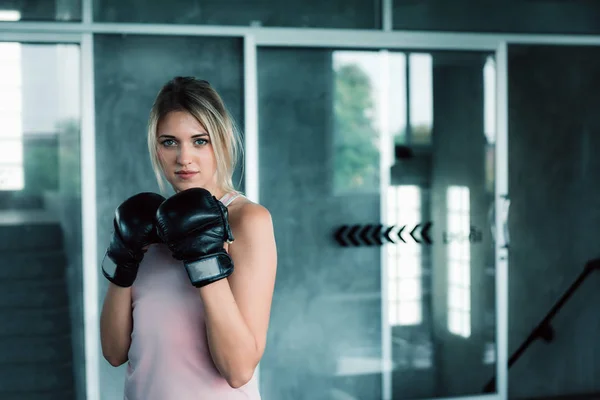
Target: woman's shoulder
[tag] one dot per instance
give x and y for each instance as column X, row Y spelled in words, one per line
column 244, row 213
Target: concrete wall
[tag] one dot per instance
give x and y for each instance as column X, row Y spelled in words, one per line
column 554, row 216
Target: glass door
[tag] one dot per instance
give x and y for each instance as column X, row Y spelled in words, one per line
column 379, row 170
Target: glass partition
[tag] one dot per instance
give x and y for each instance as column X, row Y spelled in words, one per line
column 41, row 295
column 378, row 169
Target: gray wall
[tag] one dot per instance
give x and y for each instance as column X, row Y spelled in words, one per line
column 326, row 304
column 358, row 14
column 554, row 216
column 520, row 16
column 129, row 71
column 43, row 10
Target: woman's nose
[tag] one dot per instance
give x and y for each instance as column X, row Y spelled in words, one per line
column 184, row 156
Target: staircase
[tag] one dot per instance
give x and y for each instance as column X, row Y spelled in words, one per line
column 35, row 325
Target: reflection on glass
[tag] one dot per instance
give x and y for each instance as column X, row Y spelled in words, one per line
column 10, row 15
column 489, row 99
column 404, row 265
column 459, row 261
column 397, row 321
column 11, row 130
column 39, row 159
column 420, row 98
column 411, row 98
column 356, row 135
column 489, row 121
column 398, row 97
column 437, row 177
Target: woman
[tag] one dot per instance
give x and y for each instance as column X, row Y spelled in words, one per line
column 191, row 277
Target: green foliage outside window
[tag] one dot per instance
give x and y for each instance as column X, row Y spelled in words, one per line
column 356, row 154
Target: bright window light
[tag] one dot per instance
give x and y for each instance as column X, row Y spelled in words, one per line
column 489, row 99
column 404, row 262
column 421, row 97
column 10, row 15
column 11, row 128
column 459, row 261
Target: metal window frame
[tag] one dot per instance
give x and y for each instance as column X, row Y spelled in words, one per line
column 88, row 189
column 255, row 38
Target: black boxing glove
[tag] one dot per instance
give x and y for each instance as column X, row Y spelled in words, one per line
column 194, row 225
column 133, row 230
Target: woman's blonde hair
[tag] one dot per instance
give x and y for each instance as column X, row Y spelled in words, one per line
column 198, row 98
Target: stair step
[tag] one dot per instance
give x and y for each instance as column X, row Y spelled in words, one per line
column 51, row 395
column 40, row 349
column 21, row 203
column 35, row 378
column 33, row 293
column 26, row 265
column 33, row 236
column 35, row 322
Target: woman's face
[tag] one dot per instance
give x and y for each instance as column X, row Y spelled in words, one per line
column 185, row 152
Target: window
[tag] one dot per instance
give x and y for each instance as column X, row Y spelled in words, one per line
column 489, row 99
column 420, row 99
column 11, row 130
column 368, row 100
column 356, row 128
column 459, row 261
column 405, row 261
column 10, row 15
column 414, row 83
column 489, row 121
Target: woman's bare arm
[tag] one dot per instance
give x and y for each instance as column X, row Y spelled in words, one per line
column 116, row 323
column 238, row 308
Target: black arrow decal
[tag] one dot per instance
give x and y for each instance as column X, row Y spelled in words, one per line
column 351, row 236
column 400, row 234
column 387, row 236
column 364, row 235
column 425, row 232
column 412, row 233
column 377, row 234
column 339, row 235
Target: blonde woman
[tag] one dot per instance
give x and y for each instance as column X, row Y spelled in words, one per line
column 191, row 276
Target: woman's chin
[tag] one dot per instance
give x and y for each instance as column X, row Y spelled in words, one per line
column 180, row 186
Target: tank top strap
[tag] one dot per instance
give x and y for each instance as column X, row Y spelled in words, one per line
column 228, row 198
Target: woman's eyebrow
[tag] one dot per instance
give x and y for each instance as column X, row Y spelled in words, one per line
column 173, row 137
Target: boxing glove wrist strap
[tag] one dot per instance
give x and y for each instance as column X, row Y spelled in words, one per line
column 119, row 275
column 209, row 269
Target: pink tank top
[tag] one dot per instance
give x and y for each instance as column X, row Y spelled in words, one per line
column 169, row 357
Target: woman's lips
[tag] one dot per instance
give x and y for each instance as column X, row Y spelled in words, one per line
column 186, row 174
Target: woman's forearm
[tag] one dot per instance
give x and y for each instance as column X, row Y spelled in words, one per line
column 232, row 345
column 116, row 324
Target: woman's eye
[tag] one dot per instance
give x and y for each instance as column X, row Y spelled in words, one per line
column 168, row 142
column 200, row 142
